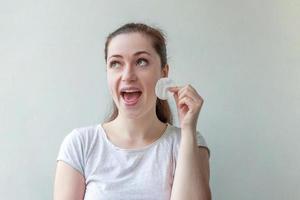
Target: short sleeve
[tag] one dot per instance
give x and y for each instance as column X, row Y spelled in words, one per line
column 201, row 142
column 71, row 151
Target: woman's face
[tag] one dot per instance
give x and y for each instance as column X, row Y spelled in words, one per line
column 133, row 68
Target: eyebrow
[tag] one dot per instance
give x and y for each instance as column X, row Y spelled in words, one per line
column 135, row 54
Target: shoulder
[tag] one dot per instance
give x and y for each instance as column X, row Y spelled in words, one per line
column 86, row 130
column 83, row 133
column 175, row 134
column 81, row 138
column 77, row 145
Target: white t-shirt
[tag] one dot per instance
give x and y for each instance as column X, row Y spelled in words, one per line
column 112, row 173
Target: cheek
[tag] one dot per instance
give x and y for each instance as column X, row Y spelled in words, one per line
column 111, row 82
column 151, row 86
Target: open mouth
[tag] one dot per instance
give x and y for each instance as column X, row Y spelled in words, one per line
column 131, row 97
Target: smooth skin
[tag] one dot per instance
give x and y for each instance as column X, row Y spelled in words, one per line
column 191, row 180
column 132, row 61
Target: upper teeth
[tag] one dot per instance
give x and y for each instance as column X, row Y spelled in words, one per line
column 130, row 91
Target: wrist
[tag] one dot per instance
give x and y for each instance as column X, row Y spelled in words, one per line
column 189, row 129
column 189, row 135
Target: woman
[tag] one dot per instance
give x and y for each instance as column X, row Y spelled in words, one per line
column 137, row 153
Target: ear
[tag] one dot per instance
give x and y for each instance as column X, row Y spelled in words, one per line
column 165, row 71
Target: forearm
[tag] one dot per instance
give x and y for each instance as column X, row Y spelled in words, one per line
column 190, row 182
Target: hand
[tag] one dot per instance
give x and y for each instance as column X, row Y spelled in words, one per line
column 189, row 104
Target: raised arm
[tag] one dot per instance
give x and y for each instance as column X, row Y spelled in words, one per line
column 69, row 184
column 191, row 180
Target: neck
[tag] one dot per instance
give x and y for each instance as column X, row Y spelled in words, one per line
column 142, row 128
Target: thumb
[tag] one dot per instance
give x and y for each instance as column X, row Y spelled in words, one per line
column 174, row 90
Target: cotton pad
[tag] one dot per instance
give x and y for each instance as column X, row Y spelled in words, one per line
column 161, row 88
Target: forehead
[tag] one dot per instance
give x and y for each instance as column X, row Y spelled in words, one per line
column 129, row 43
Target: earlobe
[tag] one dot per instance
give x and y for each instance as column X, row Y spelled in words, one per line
column 165, row 70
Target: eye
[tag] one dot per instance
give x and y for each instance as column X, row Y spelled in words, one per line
column 142, row 62
column 114, row 64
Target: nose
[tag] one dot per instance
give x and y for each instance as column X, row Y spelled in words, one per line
column 129, row 74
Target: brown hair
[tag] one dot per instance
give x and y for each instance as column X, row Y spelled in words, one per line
column 163, row 111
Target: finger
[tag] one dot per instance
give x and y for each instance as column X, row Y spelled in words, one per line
column 191, row 89
column 180, row 92
column 174, row 89
column 187, row 91
column 195, row 105
column 187, row 104
column 186, row 101
column 176, row 97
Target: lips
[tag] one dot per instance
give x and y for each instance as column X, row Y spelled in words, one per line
column 130, row 95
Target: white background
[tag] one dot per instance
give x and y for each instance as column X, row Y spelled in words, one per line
column 242, row 56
